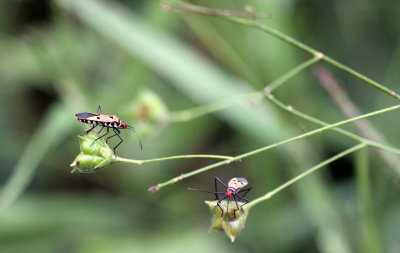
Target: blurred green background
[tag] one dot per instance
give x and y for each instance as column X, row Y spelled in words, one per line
column 62, row 57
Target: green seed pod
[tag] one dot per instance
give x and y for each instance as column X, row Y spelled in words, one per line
column 92, row 157
column 149, row 113
column 236, row 218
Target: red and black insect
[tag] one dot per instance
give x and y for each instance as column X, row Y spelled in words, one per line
column 234, row 187
column 106, row 121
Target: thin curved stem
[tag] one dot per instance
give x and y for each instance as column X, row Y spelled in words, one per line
column 281, row 80
column 199, row 111
column 302, row 175
column 236, row 158
column 219, row 105
column 309, row 118
column 279, row 35
column 219, row 12
column 139, row 162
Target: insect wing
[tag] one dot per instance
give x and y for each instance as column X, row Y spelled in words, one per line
column 237, row 182
column 85, row 115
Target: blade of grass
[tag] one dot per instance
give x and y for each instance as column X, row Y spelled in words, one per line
column 368, row 228
column 50, row 132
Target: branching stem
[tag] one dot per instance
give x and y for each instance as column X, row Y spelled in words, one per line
column 281, row 80
column 309, row 118
column 254, row 23
column 199, row 111
column 302, row 175
column 236, row 158
column 139, row 162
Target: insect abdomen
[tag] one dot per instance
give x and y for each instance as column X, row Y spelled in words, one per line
column 88, row 121
column 110, row 124
column 97, row 122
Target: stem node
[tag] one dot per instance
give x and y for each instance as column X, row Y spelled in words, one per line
column 154, row 188
column 178, row 178
column 320, row 56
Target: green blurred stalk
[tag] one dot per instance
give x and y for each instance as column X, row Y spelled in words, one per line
column 304, row 174
column 279, row 35
column 369, row 232
column 277, row 144
column 49, row 133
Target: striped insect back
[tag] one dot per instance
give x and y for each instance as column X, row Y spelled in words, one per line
column 105, row 121
column 99, row 119
column 234, row 189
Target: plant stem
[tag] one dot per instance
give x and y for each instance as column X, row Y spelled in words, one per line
column 278, row 82
column 302, row 175
column 139, row 162
column 368, row 228
column 319, row 130
column 279, row 35
column 190, row 114
column 199, row 111
column 217, row 12
column 309, row 118
column 364, row 127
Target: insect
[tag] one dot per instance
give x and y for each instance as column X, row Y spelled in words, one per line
column 234, row 187
column 106, row 121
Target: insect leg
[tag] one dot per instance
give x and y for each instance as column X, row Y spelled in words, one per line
column 100, row 109
column 247, row 201
column 245, row 191
column 234, row 197
column 219, row 180
column 240, row 197
column 237, row 205
column 101, row 129
column 219, row 201
column 117, row 132
column 100, row 137
column 191, row 189
column 87, row 131
column 227, row 211
column 216, row 188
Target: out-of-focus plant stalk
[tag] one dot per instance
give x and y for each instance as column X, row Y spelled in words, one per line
column 254, row 23
column 199, row 111
column 364, row 127
column 254, row 152
column 368, row 227
column 302, row 175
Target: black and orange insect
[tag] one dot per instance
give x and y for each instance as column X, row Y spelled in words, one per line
column 105, row 121
column 234, row 187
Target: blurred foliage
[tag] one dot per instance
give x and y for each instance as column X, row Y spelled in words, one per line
column 62, row 57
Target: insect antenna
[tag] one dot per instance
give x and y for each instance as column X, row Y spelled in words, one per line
column 133, row 129
column 191, row 189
